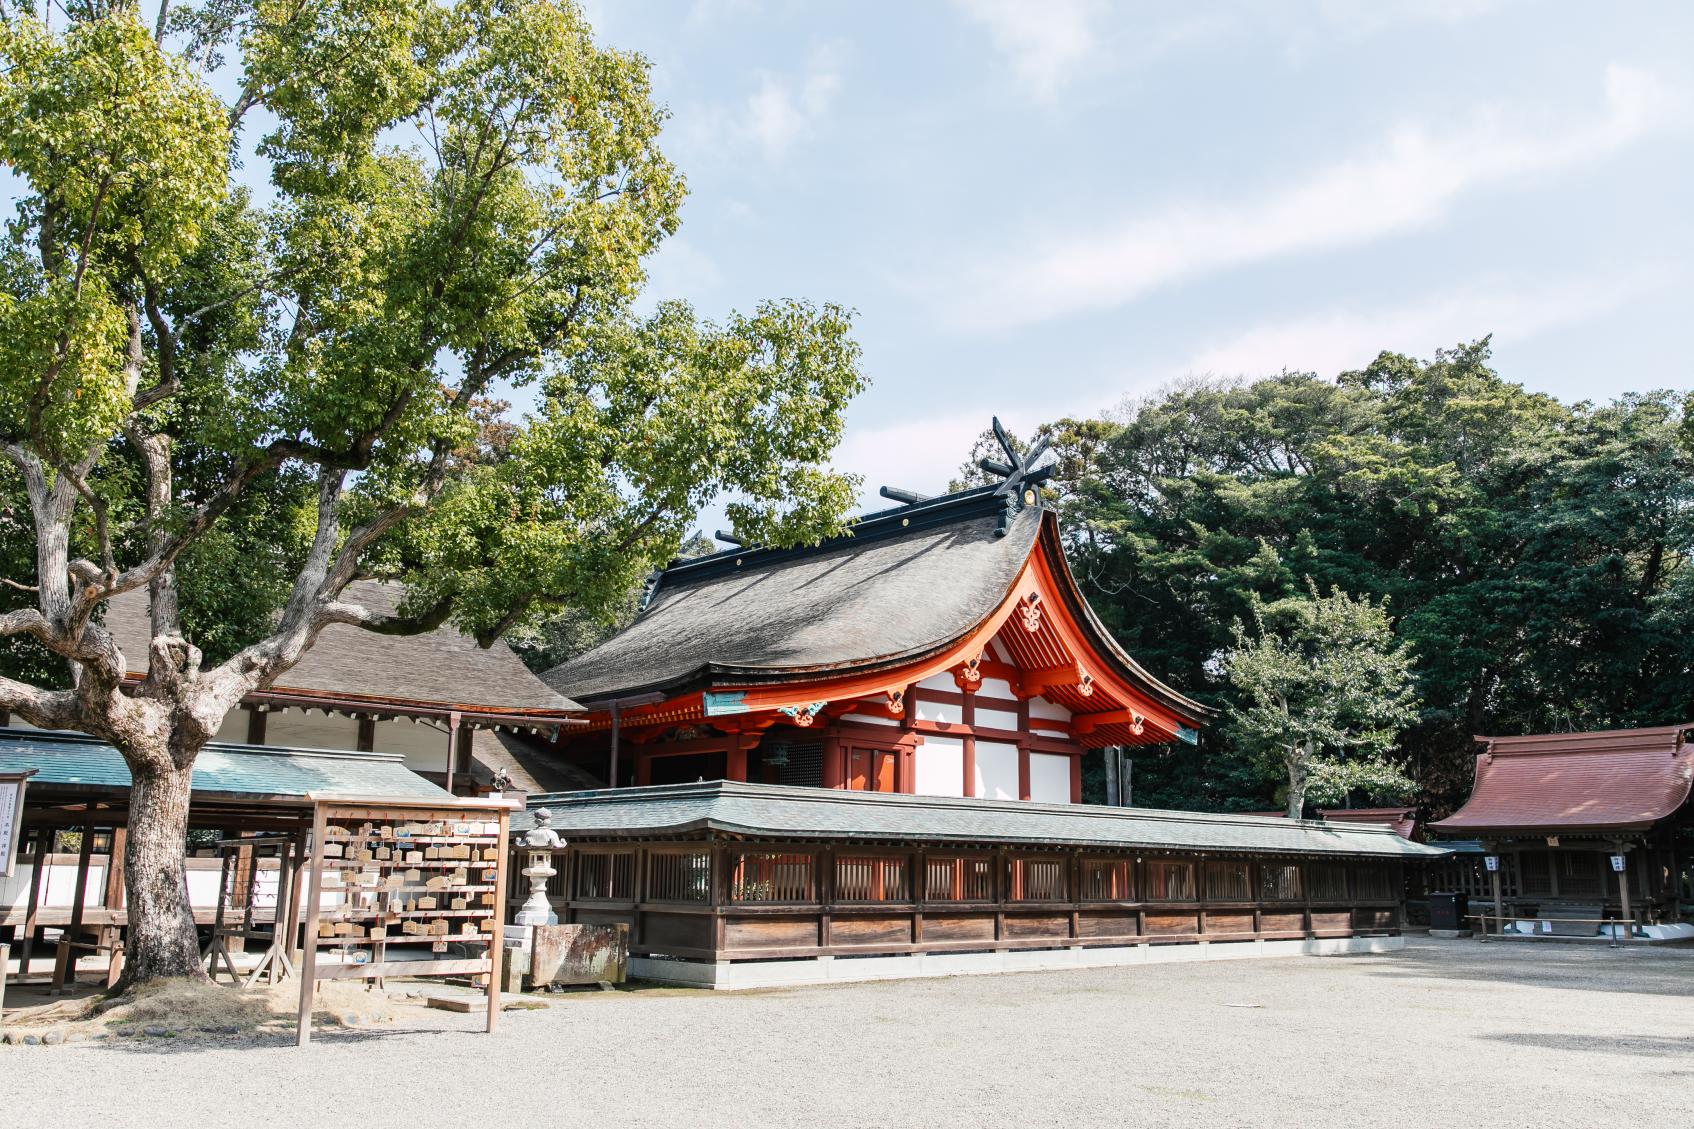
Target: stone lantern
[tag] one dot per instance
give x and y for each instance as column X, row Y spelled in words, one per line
column 541, row 840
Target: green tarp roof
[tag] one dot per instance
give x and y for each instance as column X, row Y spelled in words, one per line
column 72, row 760
column 780, row 811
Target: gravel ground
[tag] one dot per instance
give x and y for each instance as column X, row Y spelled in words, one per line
column 1441, row 1033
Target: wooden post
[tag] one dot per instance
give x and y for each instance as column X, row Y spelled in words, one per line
column 452, row 747
column 617, row 734
column 1628, row 926
column 735, row 761
column 309, row 964
column 43, row 847
column 497, row 939
column 1499, row 903
column 64, row 965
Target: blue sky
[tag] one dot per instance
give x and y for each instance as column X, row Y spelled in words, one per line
column 1047, row 208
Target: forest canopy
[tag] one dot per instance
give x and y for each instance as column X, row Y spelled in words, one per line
column 1533, row 554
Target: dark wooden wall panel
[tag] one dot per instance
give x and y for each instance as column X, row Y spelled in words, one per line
column 870, row 930
column 958, row 927
column 770, row 932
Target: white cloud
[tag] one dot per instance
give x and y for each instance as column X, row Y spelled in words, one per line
column 1409, row 181
column 1044, row 40
column 1349, row 338
column 784, row 108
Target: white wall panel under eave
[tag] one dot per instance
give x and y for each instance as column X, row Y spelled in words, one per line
column 996, row 719
column 424, row 746
column 1049, row 778
column 939, row 767
column 871, row 719
column 942, row 681
column 1041, row 707
column 996, row 770
column 308, row 729
column 994, row 688
column 937, row 711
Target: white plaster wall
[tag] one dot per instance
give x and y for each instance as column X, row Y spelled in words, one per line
column 1049, row 778
column 939, row 711
column 423, row 746
column 996, row 719
column 942, row 681
column 996, row 770
column 1041, row 707
column 939, row 767
column 994, row 688
column 871, row 719
column 303, row 729
column 999, row 651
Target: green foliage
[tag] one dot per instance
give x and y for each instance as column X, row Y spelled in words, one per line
column 461, row 197
column 1324, row 690
column 1535, row 553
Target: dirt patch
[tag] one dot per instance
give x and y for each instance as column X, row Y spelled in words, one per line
column 186, row 1008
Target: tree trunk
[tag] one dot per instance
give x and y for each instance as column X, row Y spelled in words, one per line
column 162, row 940
column 1297, row 781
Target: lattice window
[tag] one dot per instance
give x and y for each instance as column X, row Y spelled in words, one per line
column 959, row 879
column 872, row 878
column 1108, row 880
column 1170, row 881
column 1035, row 880
column 771, row 876
column 1536, row 873
column 1373, row 882
column 1327, row 881
column 1279, row 882
column 1580, row 875
column 679, row 876
column 605, row 875
column 1229, row 881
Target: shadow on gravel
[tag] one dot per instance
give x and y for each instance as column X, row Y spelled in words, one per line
column 188, row 1045
column 1660, row 970
column 1646, row 1046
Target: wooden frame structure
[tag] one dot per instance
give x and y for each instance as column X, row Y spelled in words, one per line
column 717, row 899
column 477, row 827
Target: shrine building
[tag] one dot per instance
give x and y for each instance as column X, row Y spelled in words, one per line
column 939, row 648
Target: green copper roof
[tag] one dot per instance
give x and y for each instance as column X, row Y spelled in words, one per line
column 780, row 811
column 222, row 771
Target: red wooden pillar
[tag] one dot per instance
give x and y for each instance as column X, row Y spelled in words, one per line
column 643, row 770
column 968, row 716
column 834, row 763
column 1023, row 772
column 1076, row 780
column 735, row 762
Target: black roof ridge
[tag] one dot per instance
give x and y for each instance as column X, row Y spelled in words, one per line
column 911, row 517
column 856, row 798
column 75, row 737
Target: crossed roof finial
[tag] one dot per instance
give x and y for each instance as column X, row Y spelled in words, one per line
column 1019, row 473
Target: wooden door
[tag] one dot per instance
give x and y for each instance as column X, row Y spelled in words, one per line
column 870, row 770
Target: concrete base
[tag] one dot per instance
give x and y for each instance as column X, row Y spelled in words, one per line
column 1450, row 934
column 730, row 975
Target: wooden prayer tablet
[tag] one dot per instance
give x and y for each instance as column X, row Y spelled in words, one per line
column 343, row 929
column 438, row 947
column 491, row 854
column 487, row 925
column 393, row 881
column 332, row 850
column 335, row 832
column 383, row 854
column 378, row 932
column 468, row 928
column 439, row 928
column 426, row 903
column 439, row 882
column 488, row 899
column 326, row 929
column 461, row 850
column 369, row 878
column 414, row 856
column 460, row 877
column 464, row 829
column 386, row 832
column 366, row 856
column 414, row 876
column 430, row 853
column 491, row 827
column 458, row 903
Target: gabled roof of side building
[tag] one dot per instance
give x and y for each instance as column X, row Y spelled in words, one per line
column 1613, row 780
column 902, row 585
column 73, row 762
column 443, row 667
column 783, row 811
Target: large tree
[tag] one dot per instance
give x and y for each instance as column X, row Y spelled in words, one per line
column 1535, row 553
column 253, row 347
column 1325, row 690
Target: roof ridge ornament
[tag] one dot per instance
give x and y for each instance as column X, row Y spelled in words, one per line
column 1020, row 476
